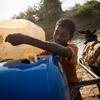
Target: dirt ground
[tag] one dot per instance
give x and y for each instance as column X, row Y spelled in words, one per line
column 89, row 92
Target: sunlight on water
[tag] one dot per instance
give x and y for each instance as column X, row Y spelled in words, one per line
column 80, row 44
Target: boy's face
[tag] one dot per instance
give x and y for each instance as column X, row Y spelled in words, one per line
column 61, row 35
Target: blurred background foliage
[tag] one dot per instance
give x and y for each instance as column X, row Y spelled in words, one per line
column 47, row 12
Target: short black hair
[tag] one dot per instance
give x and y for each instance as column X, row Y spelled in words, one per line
column 67, row 23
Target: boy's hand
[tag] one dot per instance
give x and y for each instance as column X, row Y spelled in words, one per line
column 16, row 39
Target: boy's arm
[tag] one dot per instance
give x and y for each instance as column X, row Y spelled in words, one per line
column 17, row 39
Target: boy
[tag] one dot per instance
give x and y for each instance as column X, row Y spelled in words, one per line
column 61, row 46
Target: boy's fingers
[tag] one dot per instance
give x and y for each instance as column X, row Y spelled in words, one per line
column 8, row 38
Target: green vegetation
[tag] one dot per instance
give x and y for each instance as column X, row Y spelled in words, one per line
column 87, row 8
column 31, row 14
column 47, row 12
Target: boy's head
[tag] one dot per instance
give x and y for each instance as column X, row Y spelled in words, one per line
column 63, row 31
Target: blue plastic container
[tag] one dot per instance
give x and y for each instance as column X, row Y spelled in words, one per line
column 40, row 81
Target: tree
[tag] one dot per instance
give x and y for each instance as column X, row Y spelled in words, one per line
column 29, row 14
column 45, row 14
column 51, row 9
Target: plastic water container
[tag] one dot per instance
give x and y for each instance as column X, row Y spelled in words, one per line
column 39, row 81
column 19, row 26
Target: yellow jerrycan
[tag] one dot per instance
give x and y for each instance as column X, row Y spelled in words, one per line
column 7, row 51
